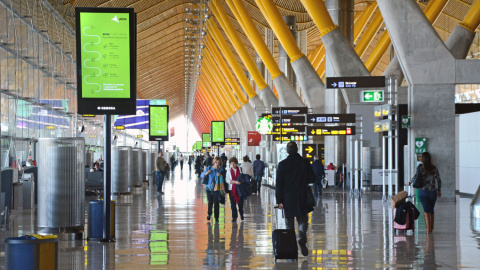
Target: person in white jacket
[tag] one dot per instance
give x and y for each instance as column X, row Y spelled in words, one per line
column 247, row 167
column 231, row 179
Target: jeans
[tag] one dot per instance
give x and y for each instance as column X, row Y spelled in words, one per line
column 302, row 227
column 428, row 199
column 213, row 202
column 181, row 165
column 233, row 204
column 258, row 178
column 317, row 186
column 160, row 178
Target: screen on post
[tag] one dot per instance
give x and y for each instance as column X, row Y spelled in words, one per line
column 206, row 141
column 218, row 132
column 106, row 60
column 158, row 117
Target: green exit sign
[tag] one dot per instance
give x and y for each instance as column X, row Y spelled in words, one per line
column 372, row 96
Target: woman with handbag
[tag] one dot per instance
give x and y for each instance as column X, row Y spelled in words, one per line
column 427, row 180
column 210, row 175
column 232, row 176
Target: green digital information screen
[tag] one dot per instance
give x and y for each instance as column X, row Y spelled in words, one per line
column 206, row 141
column 105, row 54
column 218, row 132
column 158, row 128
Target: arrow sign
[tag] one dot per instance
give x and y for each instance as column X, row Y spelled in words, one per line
column 334, row 84
column 372, row 96
column 313, row 120
column 309, row 149
column 368, row 96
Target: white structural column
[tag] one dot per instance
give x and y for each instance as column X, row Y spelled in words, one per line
column 430, row 70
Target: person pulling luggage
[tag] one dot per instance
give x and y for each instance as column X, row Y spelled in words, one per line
column 293, row 176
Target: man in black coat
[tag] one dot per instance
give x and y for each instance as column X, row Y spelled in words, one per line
column 293, row 176
column 319, row 171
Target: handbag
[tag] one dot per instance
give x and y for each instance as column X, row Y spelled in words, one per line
column 205, row 179
column 417, row 180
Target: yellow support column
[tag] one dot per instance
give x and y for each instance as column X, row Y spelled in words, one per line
column 237, row 69
column 226, row 87
column 255, row 38
column 472, row 19
column 364, row 19
column 281, row 29
column 432, row 10
column 218, row 89
column 211, row 92
column 213, row 50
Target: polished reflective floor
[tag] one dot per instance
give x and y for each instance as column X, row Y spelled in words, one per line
column 346, row 231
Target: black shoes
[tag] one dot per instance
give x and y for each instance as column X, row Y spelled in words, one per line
column 241, row 217
column 304, row 248
column 216, row 220
column 208, row 217
column 234, row 220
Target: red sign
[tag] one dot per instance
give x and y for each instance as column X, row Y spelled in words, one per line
column 254, row 138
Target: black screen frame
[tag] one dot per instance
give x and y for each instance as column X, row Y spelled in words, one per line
column 211, row 134
column 158, row 138
column 108, row 106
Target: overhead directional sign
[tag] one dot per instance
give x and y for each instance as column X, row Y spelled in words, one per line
column 371, row 96
column 292, row 129
column 329, row 131
column 355, row 82
column 382, row 110
column 289, row 119
column 232, row 139
column 330, row 118
column 309, row 151
column 289, row 110
column 267, row 115
column 286, row 138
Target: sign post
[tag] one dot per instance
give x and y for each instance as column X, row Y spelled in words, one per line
column 106, row 76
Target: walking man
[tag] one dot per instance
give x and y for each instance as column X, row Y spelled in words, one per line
column 293, row 176
column 258, row 169
column 160, row 164
column 319, row 171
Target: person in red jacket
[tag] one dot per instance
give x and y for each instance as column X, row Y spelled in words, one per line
column 331, row 166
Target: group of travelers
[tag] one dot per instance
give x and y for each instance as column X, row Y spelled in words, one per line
column 294, row 174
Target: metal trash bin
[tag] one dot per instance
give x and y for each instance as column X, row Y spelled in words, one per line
column 95, row 220
column 32, row 252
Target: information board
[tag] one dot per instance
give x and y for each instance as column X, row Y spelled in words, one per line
column 309, row 151
column 106, row 60
column 158, row 118
column 218, row 132
column 289, row 119
column 206, row 141
column 289, row 110
column 328, row 131
column 355, row 82
column 330, row 118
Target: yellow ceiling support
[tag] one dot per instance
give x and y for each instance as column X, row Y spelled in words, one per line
column 321, row 69
column 210, row 103
column 241, row 50
column 207, row 109
column 369, row 34
column 215, row 70
column 255, row 38
column 432, row 10
column 319, row 59
column 223, row 88
column 361, row 23
column 472, row 19
column 280, row 28
column 217, row 90
column 226, row 70
column 213, row 98
column 315, row 54
column 319, row 13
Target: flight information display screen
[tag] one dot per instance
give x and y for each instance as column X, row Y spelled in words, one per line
column 158, row 117
column 218, row 132
column 106, row 69
column 206, row 140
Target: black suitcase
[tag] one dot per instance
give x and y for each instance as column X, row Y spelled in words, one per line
column 284, row 244
column 253, row 186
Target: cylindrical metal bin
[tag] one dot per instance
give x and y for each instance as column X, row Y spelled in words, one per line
column 61, row 186
column 89, row 158
column 121, row 170
column 28, row 252
column 153, row 166
column 148, row 163
column 137, row 173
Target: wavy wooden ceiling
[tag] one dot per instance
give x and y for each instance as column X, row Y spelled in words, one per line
column 161, row 26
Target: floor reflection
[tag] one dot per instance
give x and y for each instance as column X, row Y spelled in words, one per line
column 346, row 231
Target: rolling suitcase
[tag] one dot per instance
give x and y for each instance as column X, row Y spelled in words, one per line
column 284, row 244
column 409, row 225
